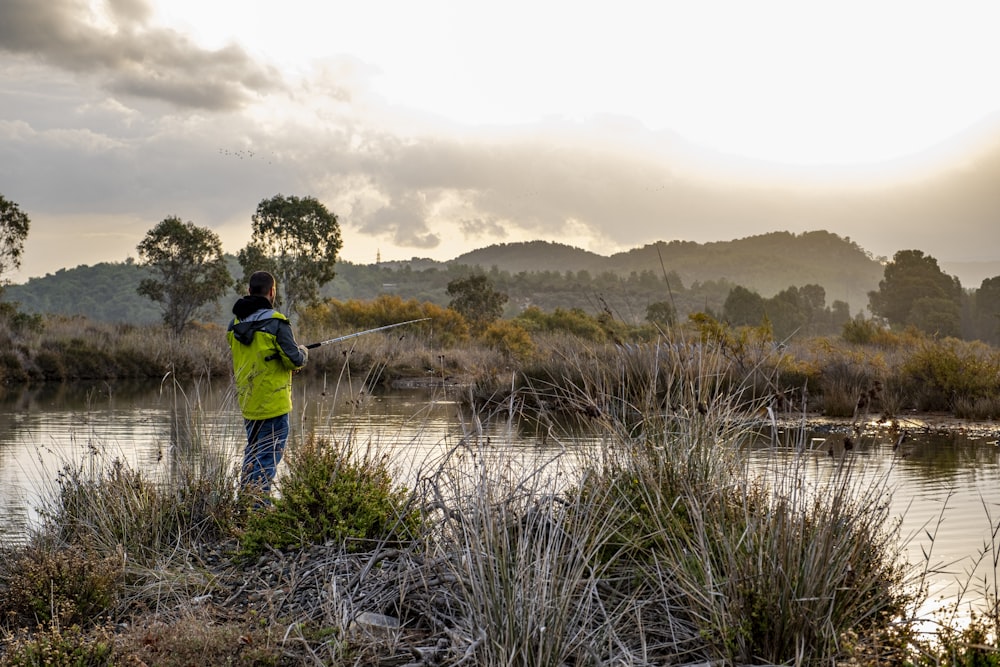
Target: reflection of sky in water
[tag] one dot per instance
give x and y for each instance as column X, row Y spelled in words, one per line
column 943, row 484
column 41, row 431
column 38, row 439
column 945, row 490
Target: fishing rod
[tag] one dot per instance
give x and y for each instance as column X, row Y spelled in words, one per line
column 351, row 335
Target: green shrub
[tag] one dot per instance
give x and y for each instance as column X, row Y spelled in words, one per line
column 765, row 571
column 20, row 322
column 573, row 321
column 445, row 326
column 329, row 495
column 860, row 331
column 50, row 364
column 11, row 369
column 939, row 372
column 510, row 338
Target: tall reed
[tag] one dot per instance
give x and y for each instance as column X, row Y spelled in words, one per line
column 663, row 546
column 158, row 527
column 523, row 556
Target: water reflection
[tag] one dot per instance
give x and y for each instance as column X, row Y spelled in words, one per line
column 946, row 483
column 945, row 494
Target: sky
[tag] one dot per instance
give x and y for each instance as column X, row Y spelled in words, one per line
column 433, row 128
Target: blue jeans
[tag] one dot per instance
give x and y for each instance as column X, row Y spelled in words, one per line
column 266, row 440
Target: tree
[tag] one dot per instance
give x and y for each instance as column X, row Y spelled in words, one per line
column 661, row 313
column 297, row 240
column 14, row 224
column 936, row 315
column 912, row 277
column 189, row 269
column 813, row 299
column 477, row 301
column 789, row 312
column 743, row 307
column 987, row 310
column 840, row 314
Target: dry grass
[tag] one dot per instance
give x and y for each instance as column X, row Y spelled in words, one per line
column 655, row 544
column 822, row 374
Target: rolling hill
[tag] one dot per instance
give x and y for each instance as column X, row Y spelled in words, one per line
column 699, row 276
column 766, row 263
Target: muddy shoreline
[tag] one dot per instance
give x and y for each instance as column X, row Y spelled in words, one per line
column 913, row 423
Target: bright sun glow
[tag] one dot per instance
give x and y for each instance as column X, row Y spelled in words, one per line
column 836, row 83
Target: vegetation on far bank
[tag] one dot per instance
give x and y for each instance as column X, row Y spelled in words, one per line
column 691, row 276
column 886, row 372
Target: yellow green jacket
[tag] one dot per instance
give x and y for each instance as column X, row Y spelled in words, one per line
column 264, row 355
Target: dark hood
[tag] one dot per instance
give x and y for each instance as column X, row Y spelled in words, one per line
column 249, row 305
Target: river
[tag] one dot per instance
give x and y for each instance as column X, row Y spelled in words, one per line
column 946, row 481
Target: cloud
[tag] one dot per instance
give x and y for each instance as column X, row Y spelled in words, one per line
column 433, row 188
column 88, row 145
column 128, row 57
column 478, row 228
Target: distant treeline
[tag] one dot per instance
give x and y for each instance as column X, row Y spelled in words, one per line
column 107, row 291
column 806, row 284
column 693, row 276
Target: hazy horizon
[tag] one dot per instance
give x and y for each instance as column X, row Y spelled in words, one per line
column 971, row 274
column 433, row 129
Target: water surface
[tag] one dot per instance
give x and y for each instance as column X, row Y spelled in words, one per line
column 946, row 482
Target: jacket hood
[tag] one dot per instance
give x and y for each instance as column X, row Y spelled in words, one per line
column 244, row 331
column 249, row 305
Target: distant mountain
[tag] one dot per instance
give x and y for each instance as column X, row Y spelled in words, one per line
column 104, row 292
column 533, row 256
column 767, row 263
column 694, row 276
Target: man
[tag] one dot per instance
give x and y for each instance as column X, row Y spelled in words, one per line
column 265, row 355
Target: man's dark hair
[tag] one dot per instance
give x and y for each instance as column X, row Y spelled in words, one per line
column 261, row 283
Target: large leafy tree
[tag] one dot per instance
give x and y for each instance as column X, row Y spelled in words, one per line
column 297, row 239
column 915, row 291
column 188, row 266
column 798, row 311
column 14, row 224
column 475, row 298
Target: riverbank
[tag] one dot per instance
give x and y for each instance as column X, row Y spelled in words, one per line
column 658, row 550
column 911, row 424
column 875, row 372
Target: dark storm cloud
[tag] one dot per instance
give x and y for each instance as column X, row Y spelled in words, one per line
column 132, row 59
